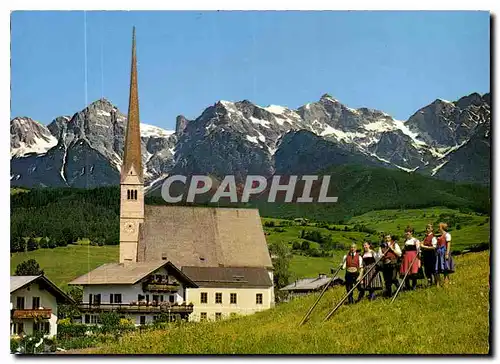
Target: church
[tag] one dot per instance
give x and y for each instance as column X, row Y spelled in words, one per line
column 193, row 263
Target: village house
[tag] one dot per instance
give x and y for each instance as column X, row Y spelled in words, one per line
column 305, row 286
column 139, row 291
column 218, row 256
column 33, row 304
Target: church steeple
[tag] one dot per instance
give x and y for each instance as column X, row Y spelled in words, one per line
column 132, row 152
column 131, row 183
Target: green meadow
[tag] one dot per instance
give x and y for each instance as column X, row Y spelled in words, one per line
column 450, row 320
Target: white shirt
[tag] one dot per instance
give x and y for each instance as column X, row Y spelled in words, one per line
column 344, row 261
column 397, row 250
column 371, row 253
column 447, row 237
column 413, row 241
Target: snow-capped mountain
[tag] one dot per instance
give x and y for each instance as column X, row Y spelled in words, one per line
column 28, row 136
column 242, row 138
column 86, row 149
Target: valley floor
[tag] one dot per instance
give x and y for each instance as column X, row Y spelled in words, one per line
column 449, row 320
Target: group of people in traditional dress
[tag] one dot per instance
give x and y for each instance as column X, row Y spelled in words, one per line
column 429, row 258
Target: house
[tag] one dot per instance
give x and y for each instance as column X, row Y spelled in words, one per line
column 33, row 302
column 138, row 291
column 226, row 291
column 306, row 286
column 218, row 255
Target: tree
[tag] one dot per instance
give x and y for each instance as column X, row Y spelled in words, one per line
column 52, row 243
column 71, row 310
column 281, row 263
column 16, row 244
column 32, row 244
column 44, row 243
column 110, row 321
column 28, row 268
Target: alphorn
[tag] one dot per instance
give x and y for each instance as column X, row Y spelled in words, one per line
column 304, row 319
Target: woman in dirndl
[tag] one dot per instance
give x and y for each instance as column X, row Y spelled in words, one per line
column 372, row 280
column 444, row 261
column 411, row 262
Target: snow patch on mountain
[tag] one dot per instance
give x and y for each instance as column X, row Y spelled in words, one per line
column 154, row 131
column 39, row 145
column 438, row 167
column 252, row 139
column 275, row 109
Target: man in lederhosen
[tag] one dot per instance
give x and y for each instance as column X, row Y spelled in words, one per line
column 353, row 265
column 392, row 252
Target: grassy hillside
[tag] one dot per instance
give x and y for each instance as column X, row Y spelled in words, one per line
column 450, row 320
column 63, row 264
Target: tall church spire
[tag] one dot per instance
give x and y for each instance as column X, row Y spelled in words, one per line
column 132, row 152
column 131, row 183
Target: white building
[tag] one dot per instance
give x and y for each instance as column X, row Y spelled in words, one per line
column 33, row 302
column 137, row 291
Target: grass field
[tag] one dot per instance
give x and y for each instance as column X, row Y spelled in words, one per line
column 449, row 320
column 63, row 264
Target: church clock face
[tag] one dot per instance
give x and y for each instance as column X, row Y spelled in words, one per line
column 129, row 227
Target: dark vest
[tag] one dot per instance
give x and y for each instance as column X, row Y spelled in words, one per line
column 352, row 261
column 428, row 239
column 390, row 255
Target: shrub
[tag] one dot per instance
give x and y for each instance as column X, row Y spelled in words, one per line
column 269, row 224
column 28, row 268
column 44, row 243
column 296, row 245
column 14, row 345
column 67, row 331
column 305, row 245
column 32, row 244
column 52, row 244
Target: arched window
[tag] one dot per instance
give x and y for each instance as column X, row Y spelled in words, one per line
column 131, row 194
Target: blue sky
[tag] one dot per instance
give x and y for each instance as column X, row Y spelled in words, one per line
column 393, row 61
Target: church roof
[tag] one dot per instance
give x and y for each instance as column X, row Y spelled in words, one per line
column 132, row 151
column 203, row 237
column 230, row 277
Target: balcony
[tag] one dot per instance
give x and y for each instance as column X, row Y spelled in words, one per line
column 153, row 286
column 138, row 307
column 37, row 313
